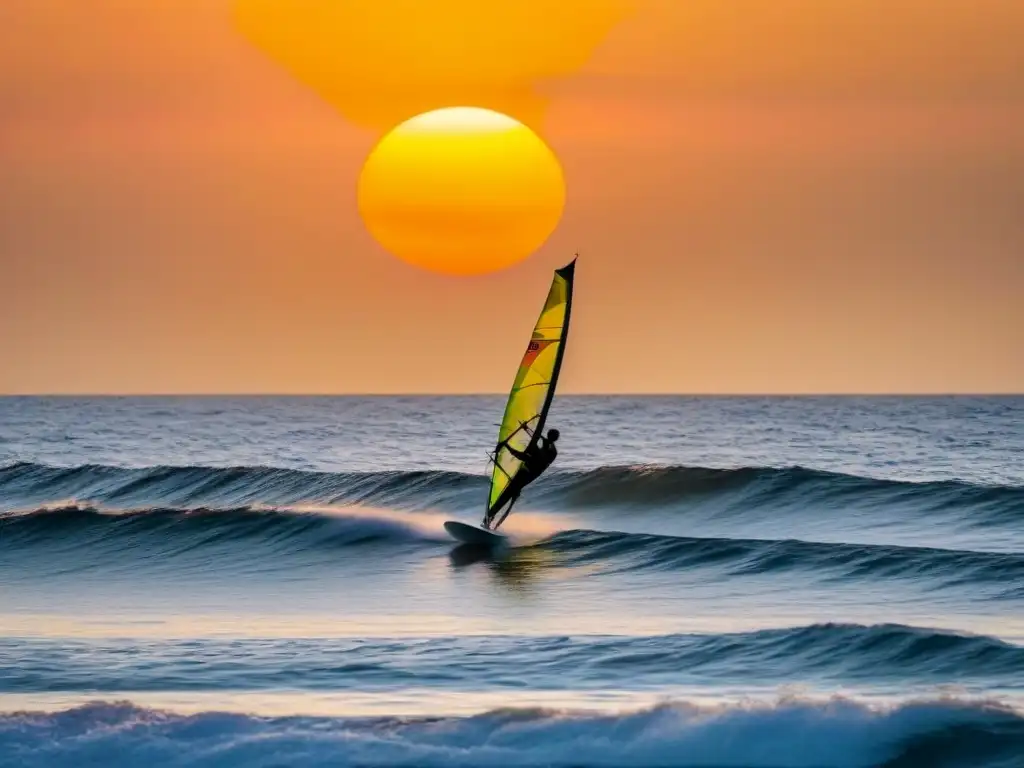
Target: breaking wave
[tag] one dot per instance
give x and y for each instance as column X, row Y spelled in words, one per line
column 790, row 733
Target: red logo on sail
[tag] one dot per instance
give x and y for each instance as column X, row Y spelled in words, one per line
column 535, row 348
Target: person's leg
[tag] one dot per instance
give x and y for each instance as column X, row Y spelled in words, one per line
column 508, row 499
column 512, row 501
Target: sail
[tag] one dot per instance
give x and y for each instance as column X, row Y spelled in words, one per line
column 532, row 390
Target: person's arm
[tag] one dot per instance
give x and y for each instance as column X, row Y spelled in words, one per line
column 541, row 442
column 518, row 454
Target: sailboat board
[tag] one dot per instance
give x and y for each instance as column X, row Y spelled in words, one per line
column 526, row 410
column 472, row 534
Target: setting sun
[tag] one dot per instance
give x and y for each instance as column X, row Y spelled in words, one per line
column 461, row 190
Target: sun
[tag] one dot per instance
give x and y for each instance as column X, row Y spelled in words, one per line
column 461, row 191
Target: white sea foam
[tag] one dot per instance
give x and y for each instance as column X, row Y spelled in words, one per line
column 789, row 733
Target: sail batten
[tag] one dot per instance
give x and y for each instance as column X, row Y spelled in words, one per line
column 532, row 390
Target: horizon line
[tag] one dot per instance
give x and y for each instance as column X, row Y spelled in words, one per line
column 994, row 393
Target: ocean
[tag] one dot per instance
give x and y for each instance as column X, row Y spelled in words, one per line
column 819, row 582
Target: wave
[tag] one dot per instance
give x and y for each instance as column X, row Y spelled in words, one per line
column 72, row 539
column 745, row 488
column 789, row 733
column 620, row 552
column 189, row 486
column 75, row 537
column 886, row 655
column 760, row 487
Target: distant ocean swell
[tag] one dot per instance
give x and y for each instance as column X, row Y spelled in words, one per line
column 826, row 654
column 789, row 734
column 25, row 485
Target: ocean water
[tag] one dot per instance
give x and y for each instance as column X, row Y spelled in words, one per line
column 756, row 582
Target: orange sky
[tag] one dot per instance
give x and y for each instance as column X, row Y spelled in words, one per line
column 787, row 196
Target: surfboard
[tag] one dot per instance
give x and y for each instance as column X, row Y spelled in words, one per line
column 471, row 534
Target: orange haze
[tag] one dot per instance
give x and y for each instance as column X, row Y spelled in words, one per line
column 786, row 196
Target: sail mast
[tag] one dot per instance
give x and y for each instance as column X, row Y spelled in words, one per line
column 567, row 273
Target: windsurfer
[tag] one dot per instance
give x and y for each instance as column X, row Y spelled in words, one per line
column 536, row 459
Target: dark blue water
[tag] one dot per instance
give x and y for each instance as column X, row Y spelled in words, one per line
column 699, row 582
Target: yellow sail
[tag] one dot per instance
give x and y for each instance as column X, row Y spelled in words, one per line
column 532, row 391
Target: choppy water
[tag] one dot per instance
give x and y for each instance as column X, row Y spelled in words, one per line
column 698, row 582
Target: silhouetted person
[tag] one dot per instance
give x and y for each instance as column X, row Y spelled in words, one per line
column 536, row 459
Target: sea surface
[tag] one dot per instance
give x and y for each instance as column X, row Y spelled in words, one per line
column 715, row 582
